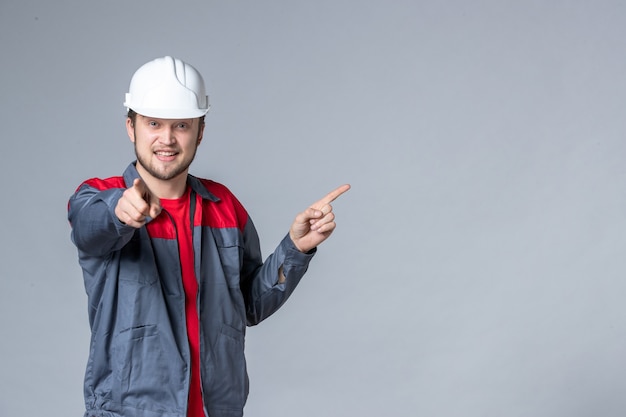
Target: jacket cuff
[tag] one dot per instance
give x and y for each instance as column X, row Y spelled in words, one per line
column 293, row 256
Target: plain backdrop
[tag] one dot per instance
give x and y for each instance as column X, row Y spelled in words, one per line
column 478, row 265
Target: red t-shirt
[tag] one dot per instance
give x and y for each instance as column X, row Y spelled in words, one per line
column 179, row 210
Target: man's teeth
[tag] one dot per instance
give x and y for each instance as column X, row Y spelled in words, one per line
column 166, row 153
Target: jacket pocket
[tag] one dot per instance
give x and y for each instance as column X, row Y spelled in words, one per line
column 143, row 367
column 137, row 261
column 231, row 255
column 230, row 384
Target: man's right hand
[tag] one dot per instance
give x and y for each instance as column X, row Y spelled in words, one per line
column 137, row 204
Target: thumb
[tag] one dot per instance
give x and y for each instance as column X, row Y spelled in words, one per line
column 155, row 206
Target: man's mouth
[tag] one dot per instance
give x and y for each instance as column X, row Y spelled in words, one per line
column 165, row 153
column 166, row 156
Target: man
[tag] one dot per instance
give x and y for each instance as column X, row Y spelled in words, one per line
column 172, row 264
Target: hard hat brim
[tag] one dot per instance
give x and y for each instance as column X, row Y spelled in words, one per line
column 171, row 113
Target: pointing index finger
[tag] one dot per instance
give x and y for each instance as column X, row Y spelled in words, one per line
column 332, row 196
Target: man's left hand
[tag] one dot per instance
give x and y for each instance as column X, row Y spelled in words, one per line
column 315, row 224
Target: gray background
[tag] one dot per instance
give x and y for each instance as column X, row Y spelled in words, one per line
column 477, row 269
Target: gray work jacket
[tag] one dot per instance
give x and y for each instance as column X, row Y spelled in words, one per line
column 139, row 360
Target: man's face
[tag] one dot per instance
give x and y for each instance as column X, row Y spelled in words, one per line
column 164, row 147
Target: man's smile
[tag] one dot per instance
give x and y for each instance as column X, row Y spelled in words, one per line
column 165, row 155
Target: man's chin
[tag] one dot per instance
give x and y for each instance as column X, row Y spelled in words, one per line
column 163, row 172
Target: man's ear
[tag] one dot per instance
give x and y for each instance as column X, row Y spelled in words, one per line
column 200, row 133
column 130, row 129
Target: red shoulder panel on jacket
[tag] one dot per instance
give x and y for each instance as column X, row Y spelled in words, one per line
column 228, row 212
column 105, row 184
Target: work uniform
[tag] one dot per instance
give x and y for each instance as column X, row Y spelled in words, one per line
column 139, row 358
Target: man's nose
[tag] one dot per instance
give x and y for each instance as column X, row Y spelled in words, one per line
column 167, row 136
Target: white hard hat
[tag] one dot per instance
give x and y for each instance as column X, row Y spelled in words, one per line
column 167, row 88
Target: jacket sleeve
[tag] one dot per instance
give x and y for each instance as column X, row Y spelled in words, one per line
column 96, row 230
column 262, row 292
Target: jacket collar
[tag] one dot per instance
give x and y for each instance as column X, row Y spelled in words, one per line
column 196, row 185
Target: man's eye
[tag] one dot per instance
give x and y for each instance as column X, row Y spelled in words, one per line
column 152, row 123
